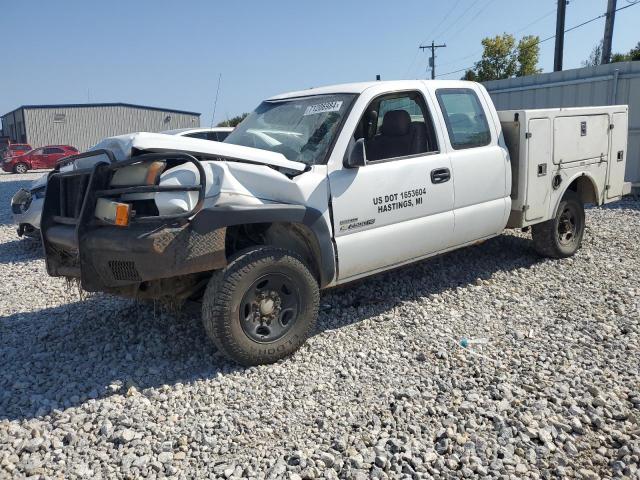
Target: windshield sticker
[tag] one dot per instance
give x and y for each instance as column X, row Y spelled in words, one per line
column 323, row 108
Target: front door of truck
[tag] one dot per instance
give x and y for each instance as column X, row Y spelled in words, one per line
column 478, row 164
column 398, row 207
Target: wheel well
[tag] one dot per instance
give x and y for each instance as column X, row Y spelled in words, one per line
column 585, row 189
column 295, row 237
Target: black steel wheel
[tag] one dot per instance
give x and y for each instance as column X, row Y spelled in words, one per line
column 561, row 236
column 262, row 306
column 270, row 307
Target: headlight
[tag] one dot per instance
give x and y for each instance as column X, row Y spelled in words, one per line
column 21, row 201
column 137, row 174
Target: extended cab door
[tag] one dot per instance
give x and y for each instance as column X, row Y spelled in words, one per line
column 398, row 207
column 479, row 166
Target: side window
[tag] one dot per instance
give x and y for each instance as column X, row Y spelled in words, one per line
column 465, row 118
column 397, row 125
column 52, row 150
column 201, row 135
column 222, row 135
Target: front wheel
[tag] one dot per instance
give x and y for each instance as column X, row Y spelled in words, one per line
column 561, row 236
column 21, row 168
column 261, row 307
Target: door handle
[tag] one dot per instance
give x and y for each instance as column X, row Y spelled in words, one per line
column 440, row 175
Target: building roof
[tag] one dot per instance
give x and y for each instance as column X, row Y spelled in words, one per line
column 93, row 105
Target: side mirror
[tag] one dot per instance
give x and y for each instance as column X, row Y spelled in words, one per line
column 356, row 157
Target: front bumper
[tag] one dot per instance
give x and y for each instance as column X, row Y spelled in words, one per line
column 113, row 258
column 107, row 258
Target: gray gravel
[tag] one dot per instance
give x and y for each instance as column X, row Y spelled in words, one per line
column 101, row 387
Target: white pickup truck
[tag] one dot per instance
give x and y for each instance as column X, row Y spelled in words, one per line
column 318, row 188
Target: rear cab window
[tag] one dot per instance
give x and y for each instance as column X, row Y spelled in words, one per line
column 465, row 118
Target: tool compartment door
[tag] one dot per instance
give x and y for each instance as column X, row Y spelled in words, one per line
column 581, row 137
column 617, row 155
column 539, row 168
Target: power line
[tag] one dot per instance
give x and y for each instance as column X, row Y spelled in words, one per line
column 591, row 20
column 437, row 28
column 537, row 20
column 460, row 17
column 434, row 33
column 472, row 19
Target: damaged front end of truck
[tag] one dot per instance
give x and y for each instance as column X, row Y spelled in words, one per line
column 148, row 224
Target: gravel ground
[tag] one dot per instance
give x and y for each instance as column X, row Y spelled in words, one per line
column 99, row 387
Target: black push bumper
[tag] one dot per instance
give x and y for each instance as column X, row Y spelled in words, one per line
column 106, row 257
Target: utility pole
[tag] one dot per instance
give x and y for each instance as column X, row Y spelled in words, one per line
column 608, row 31
column 432, row 62
column 557, row 59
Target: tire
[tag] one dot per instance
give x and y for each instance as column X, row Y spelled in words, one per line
column 20, row 168
column 262, row 307
column 561, row 236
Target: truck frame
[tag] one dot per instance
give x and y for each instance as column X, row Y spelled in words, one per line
column 318, row 188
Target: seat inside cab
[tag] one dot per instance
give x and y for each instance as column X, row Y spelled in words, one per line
column 395, row 126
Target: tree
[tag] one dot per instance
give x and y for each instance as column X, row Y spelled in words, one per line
column 502, row 59
column 233, row 122
column 528, row 54
column 595, row 57
column 498, row 58
column 470, row 75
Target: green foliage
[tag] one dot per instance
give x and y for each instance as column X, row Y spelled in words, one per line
column 498, row 58
column 528, row 54
column 595, row 57
column 470, row 75
column 501, row 58
column 233, row 122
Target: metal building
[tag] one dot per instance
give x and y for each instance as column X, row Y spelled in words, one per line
column 83, row 125
column 611, row 84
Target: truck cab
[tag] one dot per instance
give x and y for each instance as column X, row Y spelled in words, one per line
column 318, row 188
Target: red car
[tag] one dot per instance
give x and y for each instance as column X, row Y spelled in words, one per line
column 12, row 149
column 44, row 157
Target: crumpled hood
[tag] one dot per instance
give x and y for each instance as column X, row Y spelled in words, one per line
column 122, row 147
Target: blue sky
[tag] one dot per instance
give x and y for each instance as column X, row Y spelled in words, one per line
column 170, row 54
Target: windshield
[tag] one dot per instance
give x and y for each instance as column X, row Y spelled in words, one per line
column 302, row 129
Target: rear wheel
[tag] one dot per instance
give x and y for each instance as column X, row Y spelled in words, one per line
column 561, row 236
column 261, row 307
column 21, row 168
